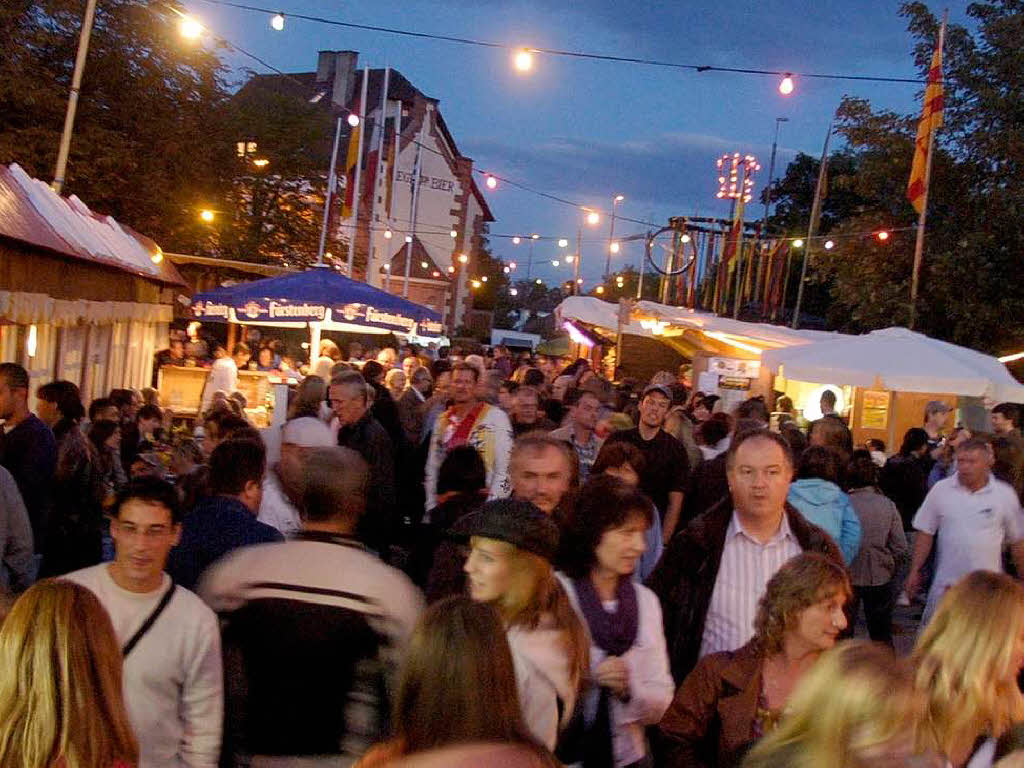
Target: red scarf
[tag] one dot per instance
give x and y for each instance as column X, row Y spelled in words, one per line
column 461, row 434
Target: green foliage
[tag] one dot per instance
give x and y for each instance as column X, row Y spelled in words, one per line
column 149, row 146
column 972, row 280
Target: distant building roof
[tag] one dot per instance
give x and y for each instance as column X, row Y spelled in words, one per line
column 33, row 214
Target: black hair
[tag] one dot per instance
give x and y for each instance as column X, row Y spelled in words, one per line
column 753, row 408
column 914, row 439
column 714, row 430
column 510, row 386
column 15, row 375
column 100, row 432
column 603, row 503
column 875, row 444
column 462, row 471
column 534, row 378
column 233, row 464
column 614, row 454
column 862, row 472
column 797, row 440
column 440, row 366
column 152, row 490
column 574, row 395
column 820, row 462
column 98, row 405
column 149, row 412
column 744, row 436
column 1009, row 411
column 121, row 397
column 828, row 396
column 372, row 371
column 66, row 396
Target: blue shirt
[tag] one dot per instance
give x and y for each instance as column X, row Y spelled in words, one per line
column 217, row 525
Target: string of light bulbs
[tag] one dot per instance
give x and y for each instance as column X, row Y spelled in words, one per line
column 277, row 21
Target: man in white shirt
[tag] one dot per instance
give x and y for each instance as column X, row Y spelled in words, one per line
column 715, row 570
column 974, row 516
column 173, row 684
column 224, row 371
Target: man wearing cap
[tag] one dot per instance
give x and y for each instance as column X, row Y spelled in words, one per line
column 282, row 485
column 666, row 466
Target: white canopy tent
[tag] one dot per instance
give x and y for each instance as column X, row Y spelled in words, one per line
column 899, row 360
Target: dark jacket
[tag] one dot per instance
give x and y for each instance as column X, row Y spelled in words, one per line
column 904, row 480
column 367, row 438
column 708, row 486
column 217, row 525
column 29, row 452
column 711, row 717
column 412, row 410
column 685, row 577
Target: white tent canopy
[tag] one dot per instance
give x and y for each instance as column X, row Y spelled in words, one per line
column 900, row 360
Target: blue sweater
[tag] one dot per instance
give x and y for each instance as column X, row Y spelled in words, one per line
column 827, row 507
column 217, row 525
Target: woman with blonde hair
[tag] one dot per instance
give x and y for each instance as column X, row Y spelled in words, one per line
column 61, row 704
column 509, row 566
column 395, row 381
column 967, row 661
column 457, row 651
column 856, row 709
column 733, row 698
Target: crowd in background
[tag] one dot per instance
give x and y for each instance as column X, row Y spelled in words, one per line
column 500, row 559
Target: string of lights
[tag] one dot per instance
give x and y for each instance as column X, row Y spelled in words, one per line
column 574, row 54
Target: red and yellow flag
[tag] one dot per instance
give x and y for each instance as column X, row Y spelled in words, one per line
column 931, row 120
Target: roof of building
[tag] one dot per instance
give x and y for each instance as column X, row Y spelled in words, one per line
column 420, row 256
column 33, row 214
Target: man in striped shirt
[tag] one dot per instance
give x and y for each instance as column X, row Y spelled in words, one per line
column 714, row 572
column 313, row 629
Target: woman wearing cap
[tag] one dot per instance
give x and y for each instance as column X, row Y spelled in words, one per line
column 509, row 566
column 630, row 686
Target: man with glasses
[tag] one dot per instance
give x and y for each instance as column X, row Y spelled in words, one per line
column 666, row 466
column 173, row 685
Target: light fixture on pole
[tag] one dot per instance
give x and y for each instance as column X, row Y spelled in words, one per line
column 613, row 247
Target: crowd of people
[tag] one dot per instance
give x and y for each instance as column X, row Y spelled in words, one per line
column 494, row 560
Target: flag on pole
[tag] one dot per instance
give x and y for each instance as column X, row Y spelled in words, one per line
column 931, row 120
column 351, row 166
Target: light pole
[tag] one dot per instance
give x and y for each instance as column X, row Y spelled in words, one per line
column 768, row 193
column 611, row 235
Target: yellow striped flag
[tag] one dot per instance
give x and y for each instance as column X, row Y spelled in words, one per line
column 931, row 120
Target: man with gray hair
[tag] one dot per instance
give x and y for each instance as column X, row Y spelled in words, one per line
column 315, row 628
column 358, row 430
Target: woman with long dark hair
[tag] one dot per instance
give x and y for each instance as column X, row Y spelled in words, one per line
column 458, row 686
column 630, row 684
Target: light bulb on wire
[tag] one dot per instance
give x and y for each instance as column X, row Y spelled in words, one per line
column 492, row 182
column 353, row 119
column 277, row 21
column 786, row 86
column 523, row 60
column 516, row 240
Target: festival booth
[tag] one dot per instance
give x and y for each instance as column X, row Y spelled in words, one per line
column 318, row 299
column 725, row 353
column 886, row 377
column 83, row 297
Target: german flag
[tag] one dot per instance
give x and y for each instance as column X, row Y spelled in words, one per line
column 931, row 120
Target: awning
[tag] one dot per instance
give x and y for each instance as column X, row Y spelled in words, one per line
column 900, row 360
column 23, row 308
column 318, row 296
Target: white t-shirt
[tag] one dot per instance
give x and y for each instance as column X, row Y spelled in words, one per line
column 173, row 683
column 970, row 529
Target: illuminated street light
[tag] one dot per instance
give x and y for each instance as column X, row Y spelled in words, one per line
column 463, row 258
column 277, row 22
column 593, row 217
column 786, row 86
column 829, row 245
column 798, row 243
column 614, row 248
column 523, row 60
column 206, row 215
column 353, row 119
column 190, row 28
column 563, row 243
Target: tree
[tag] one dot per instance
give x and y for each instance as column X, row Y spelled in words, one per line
column 972, row 281
column 149, row 146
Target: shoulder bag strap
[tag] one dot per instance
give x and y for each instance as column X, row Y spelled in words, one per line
column 148, row 623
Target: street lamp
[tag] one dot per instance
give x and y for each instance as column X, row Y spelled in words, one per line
column 206, row 215
column 613, row 247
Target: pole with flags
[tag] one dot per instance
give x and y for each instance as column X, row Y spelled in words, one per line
column 921, row 170
column 812, row 228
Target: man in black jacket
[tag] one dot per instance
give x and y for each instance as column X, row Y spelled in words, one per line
column 715, row 570
column 359, row 431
